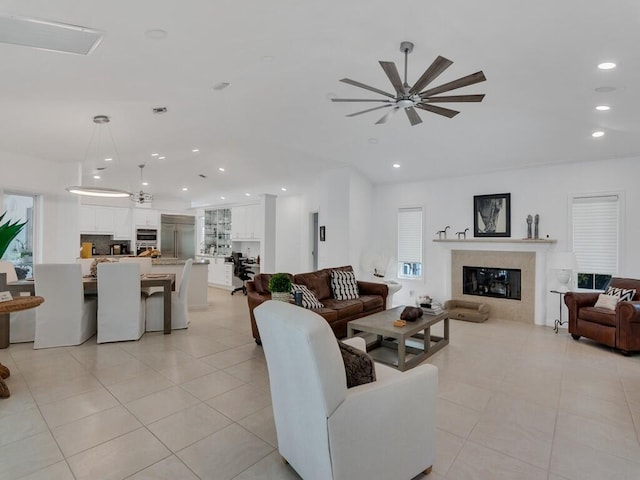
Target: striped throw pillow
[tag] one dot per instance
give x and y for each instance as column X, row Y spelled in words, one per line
column 624, row 295
column 309, row 300
column 344, row 285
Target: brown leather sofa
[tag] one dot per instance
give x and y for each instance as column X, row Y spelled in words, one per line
column 373, row 298
column 618, row 329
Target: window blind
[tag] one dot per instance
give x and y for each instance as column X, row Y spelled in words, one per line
column 595, row 228
column 410, row 235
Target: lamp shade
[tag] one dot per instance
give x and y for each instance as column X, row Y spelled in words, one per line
column 563, row 261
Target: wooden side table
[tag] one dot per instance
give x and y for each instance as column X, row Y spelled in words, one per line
column 15, row 305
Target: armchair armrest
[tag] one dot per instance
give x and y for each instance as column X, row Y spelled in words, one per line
column 356, row 342
column 401, row 409
column 580, row 299
column 629, row 312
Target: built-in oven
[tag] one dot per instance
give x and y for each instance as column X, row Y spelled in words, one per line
column 146, row 238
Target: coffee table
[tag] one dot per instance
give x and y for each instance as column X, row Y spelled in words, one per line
column 401, row 347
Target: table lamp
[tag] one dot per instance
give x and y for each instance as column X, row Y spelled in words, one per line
column 565, row 263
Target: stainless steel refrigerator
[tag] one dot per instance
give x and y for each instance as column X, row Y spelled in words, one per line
column 178, row 236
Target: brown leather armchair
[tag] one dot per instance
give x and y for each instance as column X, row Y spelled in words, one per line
column 619, row 328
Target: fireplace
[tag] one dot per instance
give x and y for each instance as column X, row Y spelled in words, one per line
column 492, row 282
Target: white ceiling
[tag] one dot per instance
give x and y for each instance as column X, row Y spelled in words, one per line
column 275, row 126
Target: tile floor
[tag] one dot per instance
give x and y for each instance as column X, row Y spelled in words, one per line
column 515, row 402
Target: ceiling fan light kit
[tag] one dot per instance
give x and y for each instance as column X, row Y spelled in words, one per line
column 141, row 197
column 408, row 98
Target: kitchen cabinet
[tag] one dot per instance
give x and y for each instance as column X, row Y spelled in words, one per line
column 247, row 221
column 95, row 219
column 122, row 223
column 220, row 272
column 146, row 217
column 217, row 231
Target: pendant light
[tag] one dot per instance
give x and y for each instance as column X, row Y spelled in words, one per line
column 95, row 190
column 141, row 197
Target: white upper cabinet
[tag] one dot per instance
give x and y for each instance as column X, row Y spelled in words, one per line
column 122, row 219
column 94, row 219
column 246, row 222
column 146, row 217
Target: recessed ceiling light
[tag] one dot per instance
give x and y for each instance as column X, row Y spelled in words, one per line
column 221, row 85
column 606, row 65
column 373, row 140
column 156, row 34
column 268, row 58
column 222, row 198
column 159, row 110
column 331, row 95
column 97, row 177
column 396, row 165
column 221, row 169
column 155, row 154
column 247, row 194
column 603, row 108
column 283, row 189
column 161, row 158
column 597, row 134
column 145, row 183
column 195, row 150
column 184, row 189
column 605, row 89
column 108, row 159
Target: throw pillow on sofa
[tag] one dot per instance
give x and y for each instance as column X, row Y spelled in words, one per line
column 358, row 365
column 624, row 295
column 344, row 285
column 607, row 301
column 309, row 300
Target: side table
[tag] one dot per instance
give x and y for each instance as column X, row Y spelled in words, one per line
column 559, row 321
column 15, row 305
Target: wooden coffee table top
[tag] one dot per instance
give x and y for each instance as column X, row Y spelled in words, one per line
column 20, row 303
column 381, row 323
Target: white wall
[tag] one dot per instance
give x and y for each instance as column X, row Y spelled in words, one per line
column 544, row 191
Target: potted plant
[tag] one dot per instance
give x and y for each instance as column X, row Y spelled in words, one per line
column 280, row 287
column 8, row 232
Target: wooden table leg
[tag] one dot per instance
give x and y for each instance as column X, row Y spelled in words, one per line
column 4, row 330
column 167, row 307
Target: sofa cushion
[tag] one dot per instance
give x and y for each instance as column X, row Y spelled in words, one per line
column 344, row 308
column 309, row 300
column 344, row 285
column 601, row 316
column 607, row 301
column 358, row 365
column 371, row 302
column 317, row 282
column 261, row 282
column 623, row 294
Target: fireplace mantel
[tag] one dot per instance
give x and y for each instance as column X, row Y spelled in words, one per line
column 497, row 240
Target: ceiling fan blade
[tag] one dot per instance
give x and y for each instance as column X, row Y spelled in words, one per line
column 366, row 87
column 439, row 110
column 438, row 66
column 386, row 117
column 359, row 100
column 393, row 75
column 454, row 98
column 366, row 111
column 459, row 83
column 414, row 118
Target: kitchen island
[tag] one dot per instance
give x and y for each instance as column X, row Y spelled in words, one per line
column 197, row 296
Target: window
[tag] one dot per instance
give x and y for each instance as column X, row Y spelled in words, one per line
column 410, row 243
column 595, row 234
column 20, row 250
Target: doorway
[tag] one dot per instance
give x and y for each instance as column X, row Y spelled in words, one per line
column 313, row 235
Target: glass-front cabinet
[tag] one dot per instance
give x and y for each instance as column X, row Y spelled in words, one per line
column 217, row 231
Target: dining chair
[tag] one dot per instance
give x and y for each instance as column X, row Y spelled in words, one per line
column 22, row 324
column 121, row 306
column 86, row 265
column 145, row 268
column 66, row 317
column 179, row 307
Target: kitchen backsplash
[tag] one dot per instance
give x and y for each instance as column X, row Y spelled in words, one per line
column 103, row 243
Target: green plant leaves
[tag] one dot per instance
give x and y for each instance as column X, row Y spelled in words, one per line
column 8, row 232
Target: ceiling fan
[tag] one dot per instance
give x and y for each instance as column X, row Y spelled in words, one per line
column 409, row 97
column 141, row 196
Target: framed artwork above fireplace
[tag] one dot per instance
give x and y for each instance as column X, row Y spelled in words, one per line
column 492, row 215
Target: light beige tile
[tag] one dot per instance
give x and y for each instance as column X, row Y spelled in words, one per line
column 163, row 358
column 71, row 385
column 240, row 402
column 140, row 386
column 269, row 468
column 456, row 419
column 590, row 407
column 57, row 471
column 233, row 356
column 576, row 461
column 94, row 429
column 161, row 404
column 108, row 375
column 21, row 398
column 27, row 456
column 184, row 372
column 199, row 347
column 448, row 447
column 208, row 386
column 76, row 407
column 516, row 410
column 251, row 370
column 262, row 424
column 464, row 394
column 21, row 425
column 187, row 426
column 480, row 463
column 224, row 454
column 118, row 458
column 171, row 468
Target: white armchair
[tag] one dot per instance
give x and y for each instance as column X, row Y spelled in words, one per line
column 179, row 307
column 121, row 309
column 22, row 324
column 66, row 317
column 385, row 429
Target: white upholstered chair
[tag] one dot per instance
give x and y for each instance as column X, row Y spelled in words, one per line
column 85, row 263
column 144, row 262
column 121, row 305
column 385, row 429
column 179, row 307
column 66, row 317
column 22, row 324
